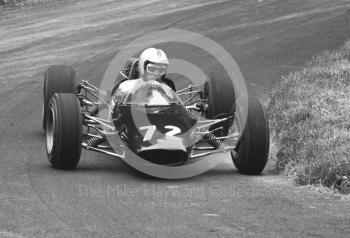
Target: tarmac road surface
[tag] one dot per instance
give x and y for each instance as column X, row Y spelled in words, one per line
column 104, row 197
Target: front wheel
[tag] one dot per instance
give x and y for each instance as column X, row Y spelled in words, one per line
column 63, row 131
column 252, row 150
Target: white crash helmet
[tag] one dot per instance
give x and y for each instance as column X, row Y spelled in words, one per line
column 152, row 55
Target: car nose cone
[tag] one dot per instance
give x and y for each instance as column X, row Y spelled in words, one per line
column 169, row 151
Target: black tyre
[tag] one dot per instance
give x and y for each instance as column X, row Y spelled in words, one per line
column 57, row 79
column 220, row 94
column 251, row 154
column 64, row 131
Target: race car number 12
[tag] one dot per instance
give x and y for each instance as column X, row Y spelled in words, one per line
column 174, row 130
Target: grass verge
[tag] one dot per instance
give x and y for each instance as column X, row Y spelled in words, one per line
column 309, row 113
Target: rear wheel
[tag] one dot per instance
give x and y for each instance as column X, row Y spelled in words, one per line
column 220, row 94
column 64, row 131
column 57, row 79
column 252, row 151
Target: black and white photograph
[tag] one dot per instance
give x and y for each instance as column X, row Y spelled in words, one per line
column 174, row 118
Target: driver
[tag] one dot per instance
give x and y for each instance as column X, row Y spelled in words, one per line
column 153, row 64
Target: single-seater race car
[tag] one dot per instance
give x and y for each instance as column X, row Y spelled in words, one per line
column 157, row 123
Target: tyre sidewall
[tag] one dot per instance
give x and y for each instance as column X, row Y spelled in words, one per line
column 67, row 133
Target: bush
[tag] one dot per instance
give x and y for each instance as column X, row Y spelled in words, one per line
column 310, row 114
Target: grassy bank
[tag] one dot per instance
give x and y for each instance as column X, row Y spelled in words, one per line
column 309, row 113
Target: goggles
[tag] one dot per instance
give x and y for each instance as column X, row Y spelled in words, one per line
column 156, row 69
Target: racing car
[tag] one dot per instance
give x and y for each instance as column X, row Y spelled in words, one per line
column 154, row 121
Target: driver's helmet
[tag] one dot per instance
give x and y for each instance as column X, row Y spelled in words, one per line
column 154, row 61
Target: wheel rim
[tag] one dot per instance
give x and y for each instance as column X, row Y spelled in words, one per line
column 237, row 153
column 206, row 96
column 43, row 114
column 50, row 129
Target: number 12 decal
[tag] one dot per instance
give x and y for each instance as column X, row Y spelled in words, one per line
column 174, row 130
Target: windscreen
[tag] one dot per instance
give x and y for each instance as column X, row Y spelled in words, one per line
column 151, row 93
